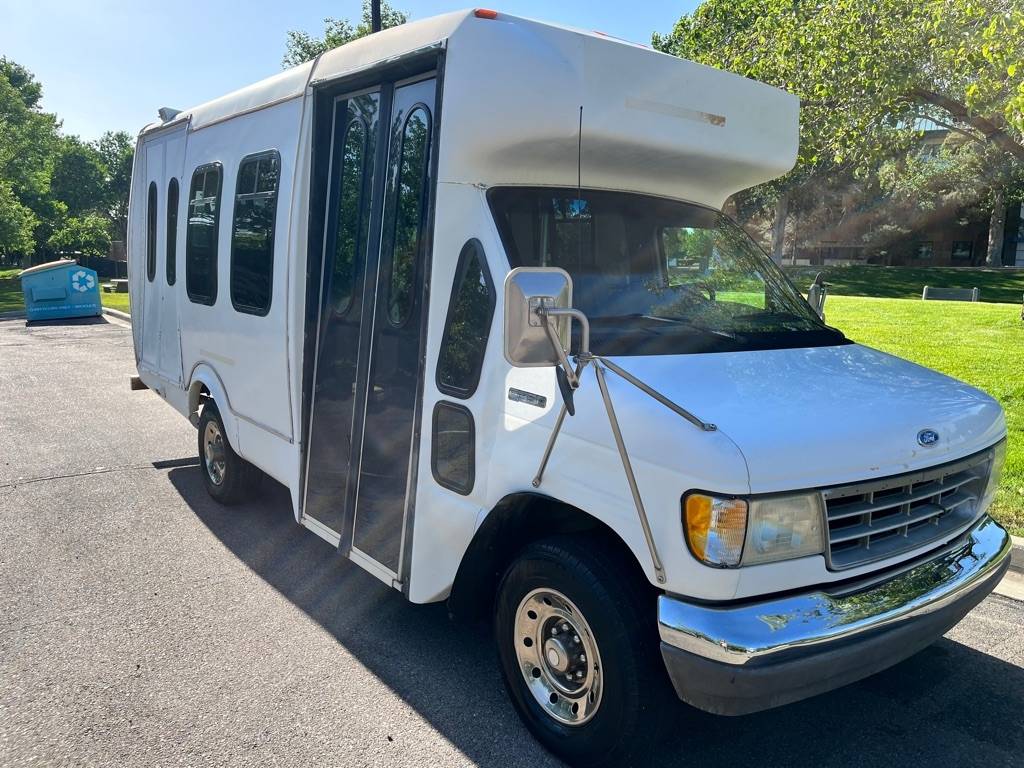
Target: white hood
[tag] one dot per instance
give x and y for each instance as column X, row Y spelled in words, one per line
column 825, row 415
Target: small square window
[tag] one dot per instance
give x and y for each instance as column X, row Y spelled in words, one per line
column 453, row 447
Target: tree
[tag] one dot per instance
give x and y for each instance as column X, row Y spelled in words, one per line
column 17, row 223
column 89, row 234
column 79, row 177
column 28, row 88
column 56, row 192
column 868, row 74
column 28, row 142
column 117, row 151
column 301, row 46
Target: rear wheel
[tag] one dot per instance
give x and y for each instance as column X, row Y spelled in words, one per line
column 228, row 477
column 578, row 646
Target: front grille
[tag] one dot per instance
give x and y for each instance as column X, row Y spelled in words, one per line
column 883, row 518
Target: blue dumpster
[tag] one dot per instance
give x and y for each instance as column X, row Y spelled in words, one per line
column 60, row 289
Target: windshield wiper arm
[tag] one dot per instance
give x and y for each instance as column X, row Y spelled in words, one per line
column 688, row 322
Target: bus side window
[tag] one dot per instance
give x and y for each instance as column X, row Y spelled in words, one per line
column 151, row 233
column 252, row 233
column 172, row 231
column 201, row 235
column 468, row 324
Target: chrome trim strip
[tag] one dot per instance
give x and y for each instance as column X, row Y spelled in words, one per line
column 374, row 568
column 320, row 530
column 756, row 632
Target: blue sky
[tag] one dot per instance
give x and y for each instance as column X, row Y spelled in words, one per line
column 108, row 65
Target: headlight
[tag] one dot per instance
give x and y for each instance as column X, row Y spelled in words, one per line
column 784, row 527
column 726, row 532
column 995, row 472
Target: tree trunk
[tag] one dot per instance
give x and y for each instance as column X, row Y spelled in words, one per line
column 779, row 227
column 996, row 225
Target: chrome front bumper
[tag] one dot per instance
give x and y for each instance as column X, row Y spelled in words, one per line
column 743, row 658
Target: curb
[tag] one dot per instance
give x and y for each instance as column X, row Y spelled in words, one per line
column 118, row 314
column 1017, row 554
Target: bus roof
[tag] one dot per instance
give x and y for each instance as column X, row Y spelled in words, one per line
column 529, row 102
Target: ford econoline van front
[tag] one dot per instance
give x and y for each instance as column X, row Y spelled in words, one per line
column 465, row 288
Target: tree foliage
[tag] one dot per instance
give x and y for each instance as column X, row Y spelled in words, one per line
column 871, row 76
column 79, row 176
column 868, row 73
column 117, row 152
column 302, row 47
column 88, row 234
column 57, row 192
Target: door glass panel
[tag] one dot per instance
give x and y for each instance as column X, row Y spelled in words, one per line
column 349, row 220
column 395, row 348
column 331, row 455
column 408, row 214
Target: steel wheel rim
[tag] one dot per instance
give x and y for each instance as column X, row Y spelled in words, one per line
column 213, row 453
column 558, row 656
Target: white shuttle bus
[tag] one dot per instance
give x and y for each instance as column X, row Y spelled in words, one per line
column 465, row 288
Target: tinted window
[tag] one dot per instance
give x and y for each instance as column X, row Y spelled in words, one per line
column 350, row 198
column 172, row 231
column 252, row 233
column 412, row 169
column 151, row 233
column 453, row 447
column 201, row 235
column 468, row 324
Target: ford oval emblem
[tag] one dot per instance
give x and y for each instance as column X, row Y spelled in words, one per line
column 927, row 437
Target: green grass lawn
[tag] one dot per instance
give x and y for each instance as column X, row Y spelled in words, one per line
column 1000, row 285
column 115, row 301
column 10, row 294
column 981, row 344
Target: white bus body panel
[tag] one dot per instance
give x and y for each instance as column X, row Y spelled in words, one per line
column 512, row 93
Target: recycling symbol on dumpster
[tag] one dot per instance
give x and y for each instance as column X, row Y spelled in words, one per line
column 82, row 281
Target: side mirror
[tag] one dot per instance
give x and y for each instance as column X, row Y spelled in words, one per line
column 528, row 289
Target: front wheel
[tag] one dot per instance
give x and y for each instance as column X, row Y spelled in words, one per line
column 579, row 652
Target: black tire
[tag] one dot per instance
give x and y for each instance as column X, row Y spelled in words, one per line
column 618, row 608
column 237, row 477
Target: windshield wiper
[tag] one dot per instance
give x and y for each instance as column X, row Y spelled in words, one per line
column 685, row 321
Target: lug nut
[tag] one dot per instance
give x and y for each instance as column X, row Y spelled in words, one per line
column 554, row 630
column 583, row 658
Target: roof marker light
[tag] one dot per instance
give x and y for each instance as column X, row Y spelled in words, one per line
column 485, row 13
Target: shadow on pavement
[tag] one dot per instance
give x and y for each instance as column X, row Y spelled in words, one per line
column 950, row 703
column 93, row 320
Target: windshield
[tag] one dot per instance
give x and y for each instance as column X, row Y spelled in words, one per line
column 656, row 276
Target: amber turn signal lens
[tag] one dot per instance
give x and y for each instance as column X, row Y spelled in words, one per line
column 715, row 528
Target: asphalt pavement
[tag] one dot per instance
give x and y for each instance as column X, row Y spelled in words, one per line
column 142, row 624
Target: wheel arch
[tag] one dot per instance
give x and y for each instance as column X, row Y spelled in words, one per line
column 516, row 521
column 205, row 384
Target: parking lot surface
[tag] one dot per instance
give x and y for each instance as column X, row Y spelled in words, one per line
column 143, row 624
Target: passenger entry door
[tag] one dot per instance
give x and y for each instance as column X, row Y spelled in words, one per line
column 366, row 378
